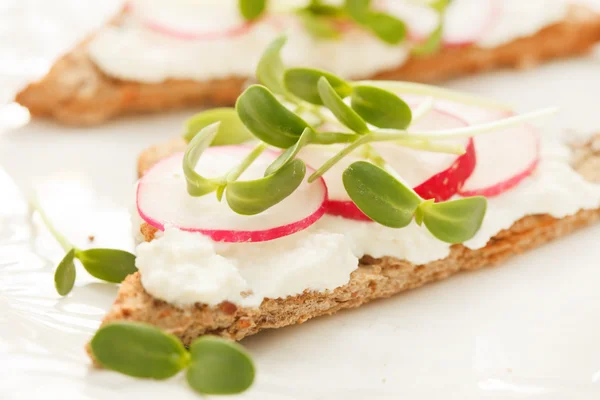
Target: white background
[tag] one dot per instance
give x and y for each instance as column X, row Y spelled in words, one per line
column 529, row 329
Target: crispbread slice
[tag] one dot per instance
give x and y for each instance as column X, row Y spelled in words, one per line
column 373, row 279
column 77, row 92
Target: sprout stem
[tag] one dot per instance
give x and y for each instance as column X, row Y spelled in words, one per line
column 421, row 89
column 64, row 243
column 468, row 131
column 341, row 154
column 237, row 171
column 433, row 147
column 422, row 110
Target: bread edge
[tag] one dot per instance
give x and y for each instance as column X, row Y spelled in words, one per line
column 76, row 92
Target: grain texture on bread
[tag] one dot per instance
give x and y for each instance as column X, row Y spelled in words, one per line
column 373, row 279
column 77, row 92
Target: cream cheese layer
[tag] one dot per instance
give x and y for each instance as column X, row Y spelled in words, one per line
column 184, row 268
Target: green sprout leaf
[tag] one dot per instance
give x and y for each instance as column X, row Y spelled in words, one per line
column 252, row 9
column 230, row 131
column 387, row 27
column 270, row 68
column 219, row 366
column 317, row 7
column 431, row 44
column 439, row 5
column 256, row 196
column 380, row 108
column 139, row 350
column 358, row 10
column 319, row 26
column 302, row 82
column 110, row 265
column 341, row 110
column 196, row 184
column 455, row 221
column 379, row 195
column 268, row 119
column 64, row 276
column 284, row 158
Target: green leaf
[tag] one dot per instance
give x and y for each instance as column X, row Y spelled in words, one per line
column 196, row 184
column 431, row 44
column 439, row 6
column 302, row 82
column 270, row 68
column 387, row 27
column 139, row 350
column 110, row 265
column 380, row 108
column 379, row 195
column 319, row 26
column 268, row 119
column 317, row 7
column 219, row 366
column 358, row 10
column 291, row 152
column 455, row 221
column 256, row 196
column 334, row 137
column 230, row 131
column 64, row 276
column 252, row 9
column 341, row 110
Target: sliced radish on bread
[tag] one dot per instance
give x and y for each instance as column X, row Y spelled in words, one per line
column 162, row 199
column 189, row 20
column 465, row 21
column 338, row 202
column 436, row 176
column 432, row 175
column 504, row 159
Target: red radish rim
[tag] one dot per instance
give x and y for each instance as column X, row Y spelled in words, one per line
column 469, row 158
column 232, row 32
column 507, row 184
column 173, row 32
column 346, row 209
column 233, row 236
column 491, row 20
column 349, row 210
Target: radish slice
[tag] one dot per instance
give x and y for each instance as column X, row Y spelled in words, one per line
column 432, row 175
column 436, row 176
column 505, row 158
column 472, row 114
column 465, row 22
column 338, row 202
column 189, row 20
column 162, row 199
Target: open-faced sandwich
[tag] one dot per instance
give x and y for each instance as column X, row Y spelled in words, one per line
column 316, row 194
column 158, row 55
column 324, row 194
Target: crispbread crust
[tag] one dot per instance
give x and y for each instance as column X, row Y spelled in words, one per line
column 77, row 92
column 373, row 279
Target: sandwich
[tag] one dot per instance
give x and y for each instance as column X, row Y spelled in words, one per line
column 156, row 56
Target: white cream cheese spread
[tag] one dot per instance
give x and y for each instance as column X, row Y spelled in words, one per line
column 184, row 268
column 135, row 52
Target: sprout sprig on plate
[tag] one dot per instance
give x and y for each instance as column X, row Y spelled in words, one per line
column 213, row 365
column 277, row 113
column 111, row 265
column 322, row 20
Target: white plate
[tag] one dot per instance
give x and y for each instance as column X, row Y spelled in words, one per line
column 527, row 330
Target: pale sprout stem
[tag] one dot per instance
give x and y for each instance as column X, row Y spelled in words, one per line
column 470, row 131
column 421, row 89
column 422, row 110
